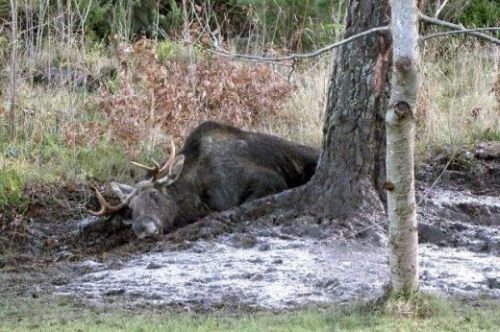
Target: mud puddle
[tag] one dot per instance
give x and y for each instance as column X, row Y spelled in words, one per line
column 451, row 271
column 276, row 273
column 451, row 198
column 460, row 218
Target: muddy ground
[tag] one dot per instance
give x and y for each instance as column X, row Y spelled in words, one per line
column 54, row 247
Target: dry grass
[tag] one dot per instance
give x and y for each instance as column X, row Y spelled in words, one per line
column 300, row 118
column 457, row 104
column 417, row 306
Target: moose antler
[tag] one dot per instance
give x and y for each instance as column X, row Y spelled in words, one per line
column 171, row 158
column 108, row 209
column 156, row 170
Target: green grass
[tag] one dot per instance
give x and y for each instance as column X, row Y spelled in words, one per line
column 52, row 161
column 62, row 314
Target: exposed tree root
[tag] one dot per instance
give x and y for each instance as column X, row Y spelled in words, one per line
column 289, row 208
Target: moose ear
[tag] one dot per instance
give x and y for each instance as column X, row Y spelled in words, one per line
column 121, row 190
column 176, row 171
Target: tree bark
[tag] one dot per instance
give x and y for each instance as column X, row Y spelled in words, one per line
column 400, row 126
column 350, row 174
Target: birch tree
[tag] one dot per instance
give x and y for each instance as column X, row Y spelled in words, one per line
column 400, row 129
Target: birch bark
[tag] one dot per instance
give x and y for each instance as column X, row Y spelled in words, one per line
column 400, row 129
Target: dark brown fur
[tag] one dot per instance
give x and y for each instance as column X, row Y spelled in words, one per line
column 223, row 167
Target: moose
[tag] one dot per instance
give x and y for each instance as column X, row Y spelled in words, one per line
column 218, row 167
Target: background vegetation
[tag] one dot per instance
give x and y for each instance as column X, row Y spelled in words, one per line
column 100, row 82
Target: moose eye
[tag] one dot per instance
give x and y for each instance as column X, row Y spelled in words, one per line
column 155, row 196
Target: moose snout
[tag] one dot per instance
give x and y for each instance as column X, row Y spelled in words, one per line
column 146, row 227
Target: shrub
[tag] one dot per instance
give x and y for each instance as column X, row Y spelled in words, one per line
column 155, row 100
column 11, row 185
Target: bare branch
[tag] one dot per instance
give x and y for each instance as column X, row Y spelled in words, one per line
column 438, row 11
column 295, row 56
column 446, row 33
column 453, row 26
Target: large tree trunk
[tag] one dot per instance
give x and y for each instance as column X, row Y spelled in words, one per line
column 400, row 122
column 349, row 178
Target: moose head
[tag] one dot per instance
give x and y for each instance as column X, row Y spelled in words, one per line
column 153, row 210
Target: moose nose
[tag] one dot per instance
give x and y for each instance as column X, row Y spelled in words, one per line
column 144, row 227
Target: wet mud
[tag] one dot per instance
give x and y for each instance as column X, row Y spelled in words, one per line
column 276, row 274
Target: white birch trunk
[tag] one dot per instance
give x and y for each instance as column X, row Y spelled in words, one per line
column 400, row 125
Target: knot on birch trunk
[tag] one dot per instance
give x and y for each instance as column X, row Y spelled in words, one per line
column 404, row 64
column 402, row 110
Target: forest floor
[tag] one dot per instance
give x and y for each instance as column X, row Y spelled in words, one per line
column 61, row 260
